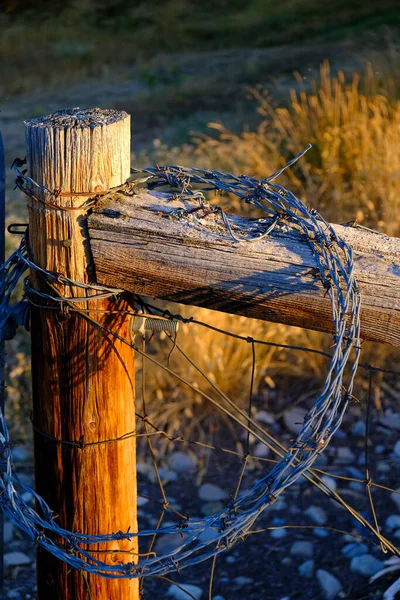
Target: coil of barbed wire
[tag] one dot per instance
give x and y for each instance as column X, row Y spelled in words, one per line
column 334, row 262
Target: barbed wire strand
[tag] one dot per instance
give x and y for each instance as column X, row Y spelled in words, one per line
column 235, row 521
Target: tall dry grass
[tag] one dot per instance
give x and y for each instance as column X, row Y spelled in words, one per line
column 217, row 361
column 352, row 172
column 353, row 168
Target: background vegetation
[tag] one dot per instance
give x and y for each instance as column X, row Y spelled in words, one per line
column 237, row 86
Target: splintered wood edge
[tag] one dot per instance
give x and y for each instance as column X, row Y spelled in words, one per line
column 137, row 245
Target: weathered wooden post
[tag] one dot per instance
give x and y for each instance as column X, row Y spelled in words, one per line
column 83, row 380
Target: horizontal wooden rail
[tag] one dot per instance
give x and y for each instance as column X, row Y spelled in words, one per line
column 138, row 245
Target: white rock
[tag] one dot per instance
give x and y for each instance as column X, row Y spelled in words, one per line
column 12, row 559
column 396, row 498
column 182, row 462
column 354, row 549
column 391, row 420
column 261, row 450
column 321, row 533
column 317, row 514
column 366, row 564
column 27, row 497
column 180, row 594
column 329, row 481
column 265, row 417
column 330, row 585
column 242, row 580
column 306, row 569
column 211, row 493
column 293, row 419
column 278, row 534
column 359, row 428
column 393, row 522
column 141, row 501
column 21, row 453
column 302, row 548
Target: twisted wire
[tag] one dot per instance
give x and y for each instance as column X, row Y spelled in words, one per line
column 334, row 261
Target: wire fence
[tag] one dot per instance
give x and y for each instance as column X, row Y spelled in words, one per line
column 202, row 538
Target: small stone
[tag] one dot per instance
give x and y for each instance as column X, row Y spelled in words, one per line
column 329, row 481
column 261, row 450
column 357, row 486
column 182, row 463
column 302, row 548
column 317, row 515
column 166, row 475
column 265, row 417
column 330, row 585
column 366, row 564
column 278, row 534
column 230, row 559
column 380, row 449
column 306, row 569
column 393, row 522
column 396, row 534
column 141, row 501
column 21, row 453
column 13, row 594
column 383, row 467
column 294, row 419
column 180, row 594
column 27, row 497
column 391, row 420
column 12, row 559
column 396, row 498
column 211, row 493
column 344, row 456
column 358, row 428
column 396, row 449
column 353, row 549
column 218, row 597
column 241, row 581
column 355, row 473
column 322, row 533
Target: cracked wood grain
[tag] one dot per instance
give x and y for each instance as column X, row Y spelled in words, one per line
column 138, row 244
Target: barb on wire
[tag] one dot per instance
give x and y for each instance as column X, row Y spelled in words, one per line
column 334, row 262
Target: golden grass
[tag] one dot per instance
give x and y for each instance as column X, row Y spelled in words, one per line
column 352, row 170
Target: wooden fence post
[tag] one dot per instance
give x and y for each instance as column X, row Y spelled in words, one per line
column 83, row 380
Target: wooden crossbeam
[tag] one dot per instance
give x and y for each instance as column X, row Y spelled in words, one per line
column 139, row 244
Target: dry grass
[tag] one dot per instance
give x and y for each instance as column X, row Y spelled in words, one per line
column 351, row 172
column 353, row 169
column 227, row 365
